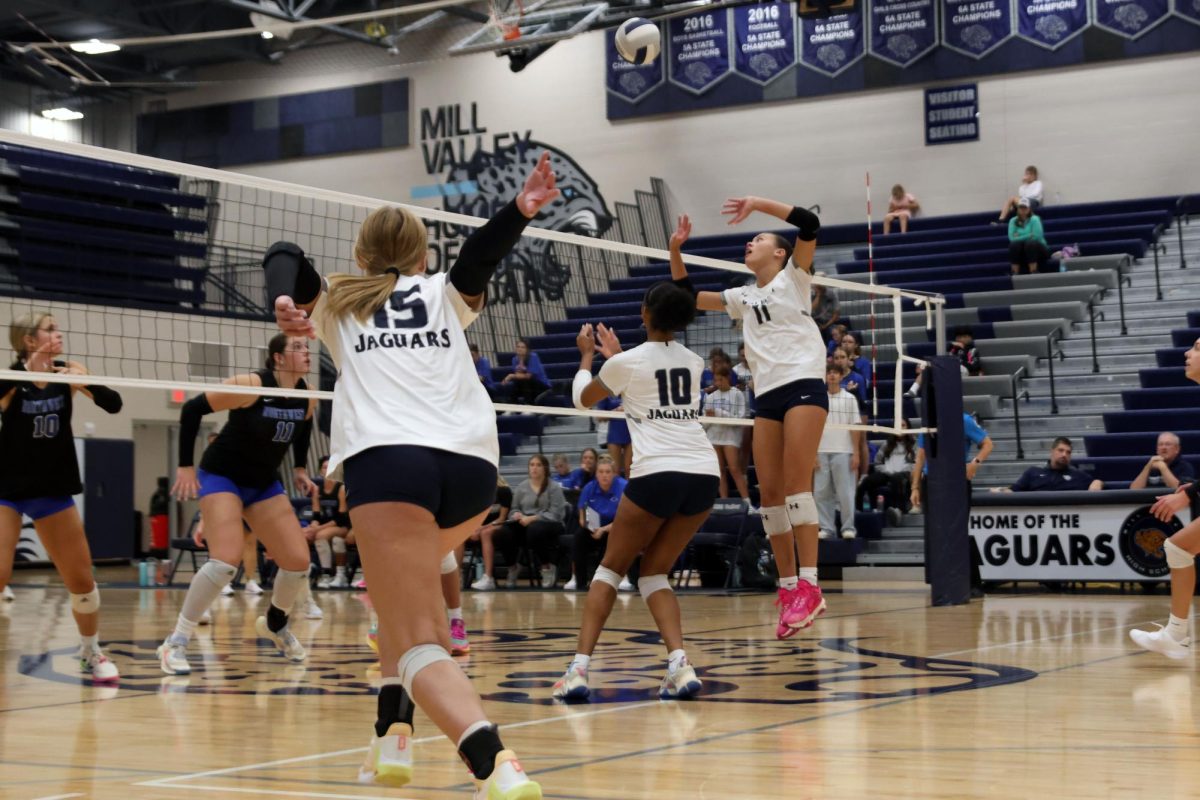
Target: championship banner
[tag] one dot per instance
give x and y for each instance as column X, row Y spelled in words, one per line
column 1129, row 18
column 698, row 47
column 976, row 27
column 628, row 81
column 1187, row 9
column 902, row 31
column 764, row 41
column 829, row 45
column 1051, row 23
column 1120, row 542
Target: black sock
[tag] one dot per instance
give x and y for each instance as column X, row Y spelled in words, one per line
column 277, row 619
column 479, row 751
column 394, row 706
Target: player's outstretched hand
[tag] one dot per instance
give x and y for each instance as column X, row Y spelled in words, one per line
column 1168, row 505
column 291, row 320
column 539, row 188
column 586, row 340
column 738, row 208
column 187, row 485
column 606, row 341
column 683, row 231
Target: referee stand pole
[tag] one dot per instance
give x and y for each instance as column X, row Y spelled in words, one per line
column 946, row 501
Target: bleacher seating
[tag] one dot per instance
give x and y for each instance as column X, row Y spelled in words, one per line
column 83, row 228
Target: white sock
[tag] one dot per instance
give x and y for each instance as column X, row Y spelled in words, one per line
column 581, row 661
column 809, row 574
column 675, row 660
column 788, row 583
column 454, row 613
column 474, row 726
column 91, row 644
column 184, row 628
column 1177, row 628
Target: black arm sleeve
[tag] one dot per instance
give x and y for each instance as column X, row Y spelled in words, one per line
column 105, row 398
column 486, row 248
column 300, row 444
column 189, row 425
column 806, row 221
column 290, row 272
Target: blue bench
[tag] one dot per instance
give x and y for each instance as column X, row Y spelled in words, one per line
column 1152, row 420
column 1162, row 377
column 1120, row 468
column 1154, row 399
column 1141, row 445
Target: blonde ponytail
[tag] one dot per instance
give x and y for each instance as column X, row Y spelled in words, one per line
column 390, row 238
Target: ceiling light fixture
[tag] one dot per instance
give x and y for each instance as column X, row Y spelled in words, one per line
column 62, row 114
column 94, row 47
column 267, row 35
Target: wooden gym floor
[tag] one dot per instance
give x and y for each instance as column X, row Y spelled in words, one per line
column 1013, row 696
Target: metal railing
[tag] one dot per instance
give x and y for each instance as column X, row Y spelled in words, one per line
column 1183, row 213
column 1052, row 339
column 1017, row 396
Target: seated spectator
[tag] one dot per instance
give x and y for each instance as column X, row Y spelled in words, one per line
column 858, row 362
column 901, row 206
column 892, row 470
column 1058, row 475
column 716, row 357
column 836, row 332
column 536, row 521
column 741, row 370
column 579, row 477
column 483, row 368
column 851, row 381
column 837, row 460
column 329, row 528
column 728, row 402
column 528, row 378
column 825, row 310
column 963, row 347
column 1166, row 468
column 915, row 389
column 486, row 532
column 1030, row 190
column 597, row 508
column 561, row 472
column 1027, row 248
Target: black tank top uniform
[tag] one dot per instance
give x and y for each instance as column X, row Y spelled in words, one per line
column 253, row 443
column 37, row 445
column 328, row 502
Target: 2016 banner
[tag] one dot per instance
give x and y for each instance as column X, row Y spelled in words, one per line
column 902, row 31
column 832, row 44
column 764, row 37
column 976, row 27
column 698, row 45
column 629, row 81
column 1051, row 23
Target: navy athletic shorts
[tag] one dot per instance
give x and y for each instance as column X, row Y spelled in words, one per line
column 665, row 494
column 805, row 392
column 453, row 487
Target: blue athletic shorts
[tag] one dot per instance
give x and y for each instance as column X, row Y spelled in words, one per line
column 38, row 507
column 212, row 484
column 806, row 392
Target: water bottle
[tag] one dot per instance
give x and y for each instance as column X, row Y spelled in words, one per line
column 143, row 573
column 866, row 503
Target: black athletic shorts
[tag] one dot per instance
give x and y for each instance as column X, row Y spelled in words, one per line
column 665, row 494
column 452, row 486
column 804, row 392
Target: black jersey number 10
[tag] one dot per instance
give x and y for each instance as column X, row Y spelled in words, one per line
column 407, row 311
column 674, row 387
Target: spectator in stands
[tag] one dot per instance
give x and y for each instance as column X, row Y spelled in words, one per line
column 597, row 508
column 577, row 478
column 1030, row 191
column 483, row 368
column 486, row 533
column 1057, row 476
column 728, row 402
column 852, row 382
column 836, row 332
column 825, row 310
column 717, row 357
column 328, row 529
column 892, row 470
column 858, row 362
column 837, row 460
column 1027, row 248
column 528, row 378
column 915, row 389
column 963, row 347
column 901, row 206
column 617, row 441
column 536, row 521
column 562, row 468
column 741, row 370
column 1166, row 468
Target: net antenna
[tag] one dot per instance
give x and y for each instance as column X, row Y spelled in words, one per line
column 504, row 18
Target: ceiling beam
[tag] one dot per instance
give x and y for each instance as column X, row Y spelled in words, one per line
column 346, row 33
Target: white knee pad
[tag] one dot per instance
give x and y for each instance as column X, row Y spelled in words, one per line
column 1177, row 557
column 449, row 563
column 338, row 544
column 88, row 603
column 802, row 509
column 606, row 575
column 649, row 584
column 417, row 659
column 775, row 520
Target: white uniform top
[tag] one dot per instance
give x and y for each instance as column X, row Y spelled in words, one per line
column 405, row 376
column 659, row 387
column 783, row 344
column 843, row 410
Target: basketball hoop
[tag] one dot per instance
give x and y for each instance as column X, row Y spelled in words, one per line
column 504, row 17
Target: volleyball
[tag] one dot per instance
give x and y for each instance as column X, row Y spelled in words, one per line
column 638, row 40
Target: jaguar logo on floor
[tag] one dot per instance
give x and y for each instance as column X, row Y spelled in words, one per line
column 794, row 672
